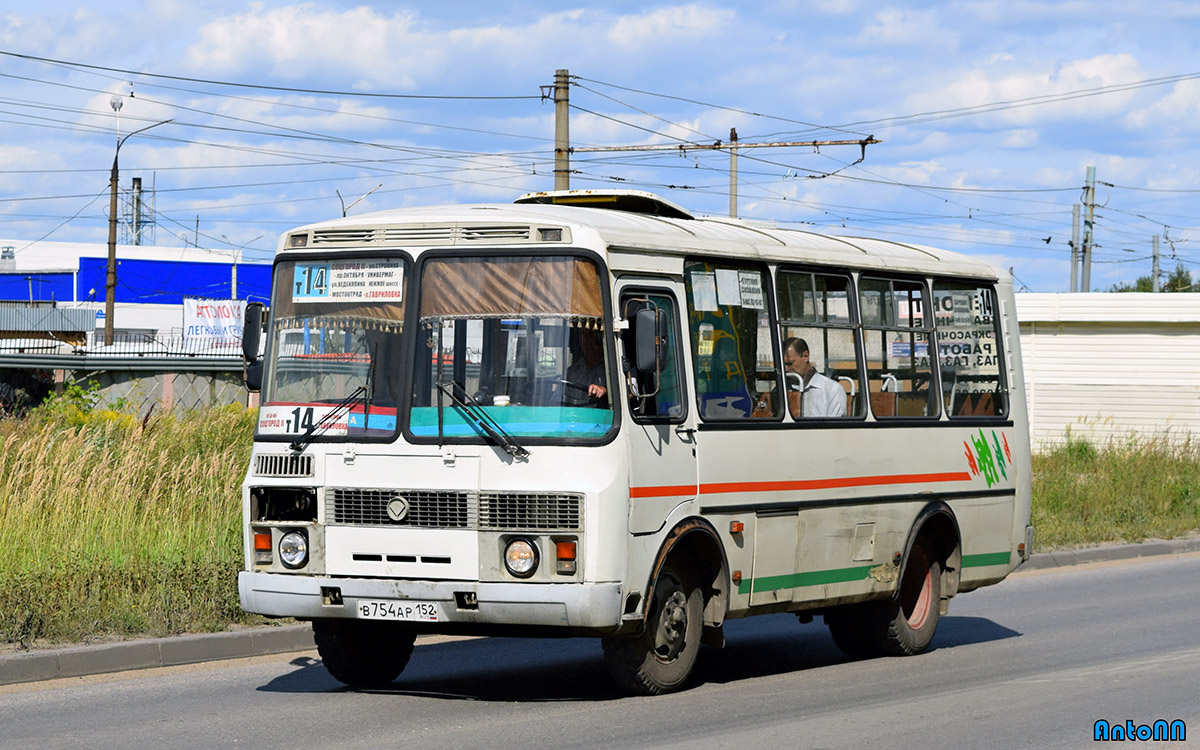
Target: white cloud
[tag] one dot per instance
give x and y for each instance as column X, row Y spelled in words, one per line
column 666, row 25
column 902, row 27
column 1022, row 138
column 979, row 86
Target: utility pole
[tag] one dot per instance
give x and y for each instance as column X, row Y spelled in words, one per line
column 110, row 286
column 733, row 208
column 1154, row 268
column 1089, row 203
column 562, row 131
column 1075, row 248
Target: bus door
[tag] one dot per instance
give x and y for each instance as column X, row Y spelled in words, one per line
column 661, row 427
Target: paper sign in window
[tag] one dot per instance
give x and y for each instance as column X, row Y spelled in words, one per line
column 729, row 288
column 704, row 292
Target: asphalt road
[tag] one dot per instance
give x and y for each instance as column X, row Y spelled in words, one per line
column 1032, row 662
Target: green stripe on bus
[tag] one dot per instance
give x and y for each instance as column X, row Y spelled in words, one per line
column 844, row 575
column 988, row 558
column 810, row 578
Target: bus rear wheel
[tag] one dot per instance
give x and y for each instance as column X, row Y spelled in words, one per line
column 900, row 626
column 660, row 659
column 363, row 653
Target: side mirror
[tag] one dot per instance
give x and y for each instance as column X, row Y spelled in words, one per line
column 252, row 331
column 252, row 375
column 650, row 339
column 252, row 328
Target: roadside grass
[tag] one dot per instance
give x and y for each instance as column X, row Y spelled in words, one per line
column 1120, row 491
column 115, row 526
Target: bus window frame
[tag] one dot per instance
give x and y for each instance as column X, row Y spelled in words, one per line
column 772, row 323
column 413, row 317
column 405, row 380
column 854, row 326
column 927, row 327
column 684, row 375
column 1001, row 350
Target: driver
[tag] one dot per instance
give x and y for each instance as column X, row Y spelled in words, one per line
column 586, row 369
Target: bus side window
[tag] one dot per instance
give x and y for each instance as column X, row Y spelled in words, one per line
column 733, row 353
column 968, row 349
column 897, row 340
column 645, row 401
column 820, row 350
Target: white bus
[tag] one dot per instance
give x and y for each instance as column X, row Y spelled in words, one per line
column 596, row 414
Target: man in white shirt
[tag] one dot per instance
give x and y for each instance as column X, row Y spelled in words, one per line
column 820, row 396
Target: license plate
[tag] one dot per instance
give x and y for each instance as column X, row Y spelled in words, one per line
column 409, row 611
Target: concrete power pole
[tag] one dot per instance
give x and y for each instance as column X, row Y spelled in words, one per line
column 562, row 131
column 1089, row 200
column 1075, row 248
column 1154, row 268
column 733, row 208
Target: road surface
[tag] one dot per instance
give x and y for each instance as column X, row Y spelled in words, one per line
column 1032, row 662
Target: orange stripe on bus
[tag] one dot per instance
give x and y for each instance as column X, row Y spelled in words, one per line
column 674, row 491
column 719, row 488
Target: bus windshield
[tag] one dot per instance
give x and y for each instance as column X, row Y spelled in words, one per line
column 335, row 341
column 524, row 337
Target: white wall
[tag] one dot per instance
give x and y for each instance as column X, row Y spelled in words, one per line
column 1108, row 366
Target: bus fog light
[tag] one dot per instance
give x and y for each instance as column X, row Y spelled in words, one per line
column 293, row 549
column 521, row 558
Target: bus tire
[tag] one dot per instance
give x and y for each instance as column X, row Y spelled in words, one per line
column 660, row 659
column 914, row 613
column 899, row 626
column 363, row 653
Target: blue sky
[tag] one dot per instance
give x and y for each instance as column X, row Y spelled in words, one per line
column 1076, row 84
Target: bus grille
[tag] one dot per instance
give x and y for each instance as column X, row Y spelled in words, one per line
column 491, row 511
column 283, row 465
column 534, row 511
column 424, row 509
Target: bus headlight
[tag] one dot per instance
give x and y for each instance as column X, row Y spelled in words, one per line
column 521, row 558
column 293, row 549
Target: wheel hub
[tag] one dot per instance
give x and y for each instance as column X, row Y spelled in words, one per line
column 672, row 626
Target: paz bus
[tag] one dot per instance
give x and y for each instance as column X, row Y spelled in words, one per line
column 594, row 413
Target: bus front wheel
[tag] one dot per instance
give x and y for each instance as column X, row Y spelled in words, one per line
column 363, row 653
column 660, row 659
column 899, row 626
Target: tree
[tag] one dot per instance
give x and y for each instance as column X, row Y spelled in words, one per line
column 1180, row 280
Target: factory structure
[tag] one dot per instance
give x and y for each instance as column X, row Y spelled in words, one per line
column 153, row 287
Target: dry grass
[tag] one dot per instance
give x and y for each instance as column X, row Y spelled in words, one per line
column 112, row 526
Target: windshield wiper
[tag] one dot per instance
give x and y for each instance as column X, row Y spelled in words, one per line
column 482, row 419
column 326, row 421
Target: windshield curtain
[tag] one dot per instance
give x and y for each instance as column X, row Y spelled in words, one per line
column 336, row 336
column 523, row 336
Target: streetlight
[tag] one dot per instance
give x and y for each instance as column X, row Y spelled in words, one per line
column 110, row 288
column 237, row 255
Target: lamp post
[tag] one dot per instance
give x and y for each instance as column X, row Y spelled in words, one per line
column 237, row 255
column 110, row 287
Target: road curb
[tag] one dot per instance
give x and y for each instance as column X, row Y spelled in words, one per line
column 1109, row 552
column 79, row 661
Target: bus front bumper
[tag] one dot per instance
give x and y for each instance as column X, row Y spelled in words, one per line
column 569, row 605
